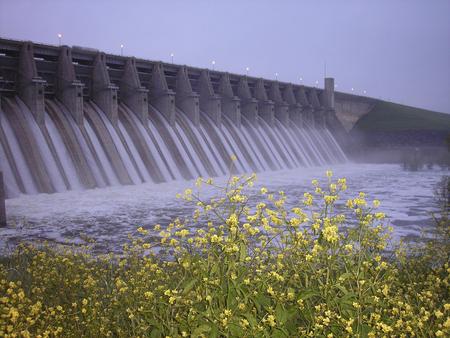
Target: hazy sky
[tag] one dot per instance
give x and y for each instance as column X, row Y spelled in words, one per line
column 394, row 49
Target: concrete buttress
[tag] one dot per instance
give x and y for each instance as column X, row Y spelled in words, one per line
column 231, row 105
column 266, row 108
column 69, row 90
column 31, row 85
column 209, row 101
column 281, row 107
column 249, row 105
column 295, row 108
column 319, row 111
column 132, row 93
column 160, row 95
column 104, row 93
column 185, row 98
column 2, row 202
column 307, row 109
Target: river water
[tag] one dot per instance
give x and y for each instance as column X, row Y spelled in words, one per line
column 108, row 215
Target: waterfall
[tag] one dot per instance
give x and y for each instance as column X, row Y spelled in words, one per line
column 61, row 155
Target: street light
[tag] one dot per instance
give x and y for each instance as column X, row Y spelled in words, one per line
column 317, row 83
column 59, row 38
column 172, row 55
column 301, row 79
column 276, row 76
column 213, row 63
column 364, row 91
column 353, row 89
column 247, row 69
column 121, row 50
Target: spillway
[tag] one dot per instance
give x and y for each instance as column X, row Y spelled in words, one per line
column 61, row 155
column 73, row 118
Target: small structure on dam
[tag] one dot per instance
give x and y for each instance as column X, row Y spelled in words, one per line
column 77, row 118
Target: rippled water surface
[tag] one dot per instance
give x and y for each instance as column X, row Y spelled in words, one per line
column 108, row 215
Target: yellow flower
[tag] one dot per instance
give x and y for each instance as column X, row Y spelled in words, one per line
column 142, row 231
column 447, row 323
column 244, row 323
column 348, row 247
column 330, row 233
column 329, row 173
column 330, row 199
column 13, row 314
column 271, row 320
column 307, row 199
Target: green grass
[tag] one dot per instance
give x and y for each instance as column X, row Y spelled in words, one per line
column 388, row 116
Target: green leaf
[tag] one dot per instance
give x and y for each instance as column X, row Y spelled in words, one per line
column 281, row 314
column 309, row 294
column 188, row 287
column 242, row 252
column 235, row 330
column 251, row 319
column 155, row 333
column 278, row 333
column 200, row 330
column 345, row 276
column 262, row 300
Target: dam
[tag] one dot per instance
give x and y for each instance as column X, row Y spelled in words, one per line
column 74, row 118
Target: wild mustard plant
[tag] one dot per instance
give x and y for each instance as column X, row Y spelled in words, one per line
column 239, row 267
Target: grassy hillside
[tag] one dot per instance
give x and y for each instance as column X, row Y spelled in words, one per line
column 387, row 116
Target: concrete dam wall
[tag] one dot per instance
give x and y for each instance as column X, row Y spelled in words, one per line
column 77, row 118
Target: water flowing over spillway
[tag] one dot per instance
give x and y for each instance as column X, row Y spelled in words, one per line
column 60, row 155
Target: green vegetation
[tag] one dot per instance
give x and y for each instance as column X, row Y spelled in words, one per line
column 239, row 269
column 388, row 116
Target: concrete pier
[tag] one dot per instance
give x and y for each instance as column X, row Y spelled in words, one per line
column 132, row 93
column 104, row 93
column 249, row 105
column 328, row 102
column 209, row 101
column 185, row 98
column 294, row 107
column 307, row 109
column 281, row 107
column 160, row 95
column 231, row 104
column 319, row 111
column 31, row 85
column 69, row 90
column 2, row 202
column 266, row 107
